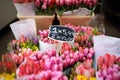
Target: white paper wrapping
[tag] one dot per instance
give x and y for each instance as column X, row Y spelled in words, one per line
column 106, row 44
column 26, row 27
column 46, row 46
column 25, row 9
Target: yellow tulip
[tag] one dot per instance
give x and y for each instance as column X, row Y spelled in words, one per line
column 80, row 77
column 92, row 78
column 6, row 76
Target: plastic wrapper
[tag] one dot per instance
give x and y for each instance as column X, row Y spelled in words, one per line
column 45, row 46
column 25, row 9
column 78, row 12
column 106, row 44
column 26, row 27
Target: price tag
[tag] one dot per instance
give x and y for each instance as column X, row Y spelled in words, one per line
column 61, row 33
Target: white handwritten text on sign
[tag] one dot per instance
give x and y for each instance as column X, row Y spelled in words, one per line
column 61, row 33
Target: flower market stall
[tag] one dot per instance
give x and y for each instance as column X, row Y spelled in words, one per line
column 58, row 58
column 60, row 52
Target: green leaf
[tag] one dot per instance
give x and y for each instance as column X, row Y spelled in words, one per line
column 61, row 12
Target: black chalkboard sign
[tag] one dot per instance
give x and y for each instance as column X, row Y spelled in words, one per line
column 61, row 33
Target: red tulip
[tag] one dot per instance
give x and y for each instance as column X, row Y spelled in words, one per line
column 106, row 59
column 99, row 61
column 104, row 66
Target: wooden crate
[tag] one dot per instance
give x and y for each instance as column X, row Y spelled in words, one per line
column 43, row 22
column 75, row 20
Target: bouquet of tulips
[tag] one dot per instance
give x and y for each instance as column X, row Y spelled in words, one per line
column 42, row 66
column 7, row 68
column 48, row 7
column 18, row 46
column 108, row 67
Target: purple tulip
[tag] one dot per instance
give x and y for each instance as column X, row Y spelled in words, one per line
column 104, row 73
column 108, row 77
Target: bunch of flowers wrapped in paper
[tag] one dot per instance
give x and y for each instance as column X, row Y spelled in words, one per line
column 108, row 67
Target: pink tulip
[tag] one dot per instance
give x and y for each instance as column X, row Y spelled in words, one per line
column 68, row 61
column 98, row 74
column 99, row 61
column 71, row 55
column 61, row 2
column 67, row 57
column 76, row 58
column 100, row 78
column 92, row 71
column 72, row 61
column 48, row 65
column 37, row 3
column 53, row 60
column 73, row 1
column 91, row 50
column 87, row 73
column 81, row 55
column 89, row 56
column 60, row 68
column 65, row 64
column 104, row 66
column 40, row 56
column 20, row 58
column 45, row 1
column 84, row 58
column 113, row 58
column 45, row 33
column 55, row 67
column 110, row 70
column 109, row 77
column 67, row 2
column 58, row 60
column 32, row 77
column 45, row 57
column 104, row 72
column 88, row 63
column 86, row 51
column 44, row 6
column 80, row 69
column 116, row 76
column 63, row 56
column 76, row 45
